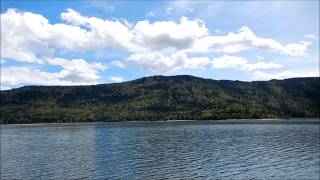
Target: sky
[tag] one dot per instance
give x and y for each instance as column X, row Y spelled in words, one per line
column 94, row 42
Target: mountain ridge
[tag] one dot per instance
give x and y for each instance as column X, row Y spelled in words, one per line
column 157, row 76
column 162, row 98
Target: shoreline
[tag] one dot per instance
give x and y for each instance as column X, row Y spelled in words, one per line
column 220, row 121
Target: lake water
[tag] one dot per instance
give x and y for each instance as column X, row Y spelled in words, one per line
column 162, row 150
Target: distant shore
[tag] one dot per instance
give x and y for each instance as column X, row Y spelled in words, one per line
column 222, row 121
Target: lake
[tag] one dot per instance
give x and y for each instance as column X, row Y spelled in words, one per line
column 233, row 149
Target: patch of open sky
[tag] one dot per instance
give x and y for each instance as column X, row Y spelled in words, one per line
column 49, row 9
column 10, row 62
column 51, row 68
column 118, row 9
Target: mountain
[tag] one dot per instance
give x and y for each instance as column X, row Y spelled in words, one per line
column 163, row 98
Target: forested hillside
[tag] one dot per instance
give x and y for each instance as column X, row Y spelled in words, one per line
column 162, row 98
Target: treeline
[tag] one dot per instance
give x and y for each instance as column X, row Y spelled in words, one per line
column 162, row 98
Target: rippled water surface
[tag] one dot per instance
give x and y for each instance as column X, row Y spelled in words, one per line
column 162, row 150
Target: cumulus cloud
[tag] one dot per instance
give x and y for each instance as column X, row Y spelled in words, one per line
column 159, row 46
column 102, row 33
column 168, row 34
column 159, row 62
column 19, row 37
column 116, row 79
column 245, row 39
column 241, row 63
column 23, row 75
column 27, row 36
column 259, row 75
column 77, row 70
column 74, row 72
column 119, row 64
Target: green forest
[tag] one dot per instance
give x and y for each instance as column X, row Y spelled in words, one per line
column 162, row 98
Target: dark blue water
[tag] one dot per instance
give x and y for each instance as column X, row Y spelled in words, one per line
column 162, row 150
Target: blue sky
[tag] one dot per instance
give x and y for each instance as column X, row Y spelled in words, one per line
column 93, row 42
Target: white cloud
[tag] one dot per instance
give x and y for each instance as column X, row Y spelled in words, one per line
column 118, row 64
column 30, row 37
column 74, row 72
column 159, row 62
column 32, row 34
column 159, row 46
column 19, row 39
column 241, row 63
column 310, row 36
column 168, row 34
column 245, row 39
column 169, row 9
column 154, row 62
column 259, row 75
column 77, row 70
column 261, row 65
column 102, row 33
column 116, row 79
column 27, row 35
column 11, row 76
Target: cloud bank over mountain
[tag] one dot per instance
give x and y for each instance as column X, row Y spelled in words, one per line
column 158, row 46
